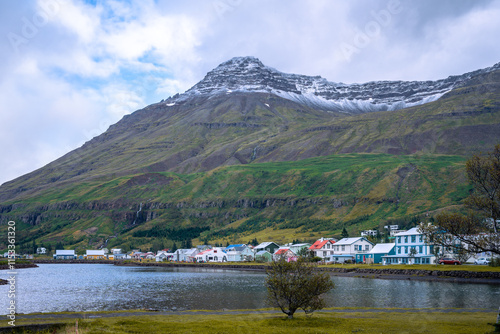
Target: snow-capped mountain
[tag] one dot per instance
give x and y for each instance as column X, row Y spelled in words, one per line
column 249, row 74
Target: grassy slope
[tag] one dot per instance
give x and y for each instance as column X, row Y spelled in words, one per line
column 281, row 201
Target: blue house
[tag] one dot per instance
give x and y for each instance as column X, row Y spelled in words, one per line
column 410, row 248
column 376, row 253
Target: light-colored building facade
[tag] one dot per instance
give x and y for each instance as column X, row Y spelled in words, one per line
column 95, row 254
column 65, row 254
column 323, row 248
column 410, row 248
column 352, row 246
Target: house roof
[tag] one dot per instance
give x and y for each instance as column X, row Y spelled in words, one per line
column 411, row 231
column 265, row 244
column 262, row 252
column 65, row 252
column 95, row 252
column 320, row 243
column 382, row 248
column 234, row 246
column 301, row 245
column 350, row 241
column 282, row 251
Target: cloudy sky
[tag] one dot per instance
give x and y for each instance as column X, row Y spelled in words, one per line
column 71, row 68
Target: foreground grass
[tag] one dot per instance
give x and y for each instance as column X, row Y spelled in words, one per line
column 384, row 321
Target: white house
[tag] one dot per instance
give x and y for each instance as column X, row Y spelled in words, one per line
column 116, row 250
column 323, row 248
column 410, row 248
column 212, row 255
column 65, row 254
column 163, row 256
column 182, row 254
column 352, row 246
column 369, row 233
column 41, row 250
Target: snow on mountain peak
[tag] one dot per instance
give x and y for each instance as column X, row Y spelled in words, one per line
column 249, row 74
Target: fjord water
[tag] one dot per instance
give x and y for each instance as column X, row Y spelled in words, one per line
column 103, row 287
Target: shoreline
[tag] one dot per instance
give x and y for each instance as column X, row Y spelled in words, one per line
column 451, row 276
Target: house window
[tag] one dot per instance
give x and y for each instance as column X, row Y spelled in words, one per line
column 399, row 240
column 324, row 253
column 420, row 238
column 421, row 249
column 406, row 240
column 367, row 247
column 406, row 249
column 399, row 250
column 343, row 248
column 413, row 238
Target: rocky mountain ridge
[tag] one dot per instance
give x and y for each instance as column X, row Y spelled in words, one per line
column 249, row 74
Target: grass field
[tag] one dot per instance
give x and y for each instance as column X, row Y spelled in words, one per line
column 328, row 321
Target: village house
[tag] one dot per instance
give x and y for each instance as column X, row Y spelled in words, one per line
column 410, row 248
column 41, row 250
column 184, row 254
column 285, row 253
column 296, row 248
column 164, row 256
column 263, row 256
column 369, row 233
column 238, row 253
column 322, row 248
column 212, row 255
column 376, row 253
column 65, row 254
column 352, row 246
column 269, row 246
column 116, row 250
column 94, row 255
column 149, row 256
column 121, row 256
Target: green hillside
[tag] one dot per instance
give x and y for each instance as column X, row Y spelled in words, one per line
column 278, row 201
column 235, row 167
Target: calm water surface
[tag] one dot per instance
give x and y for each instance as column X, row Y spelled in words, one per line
column 97, row 287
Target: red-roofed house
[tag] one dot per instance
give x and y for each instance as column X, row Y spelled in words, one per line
column 323, row 248
column 285, row 253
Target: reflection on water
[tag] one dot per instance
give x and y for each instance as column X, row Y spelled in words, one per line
column 93, row 287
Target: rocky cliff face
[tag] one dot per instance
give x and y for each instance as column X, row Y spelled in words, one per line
column 249, row 74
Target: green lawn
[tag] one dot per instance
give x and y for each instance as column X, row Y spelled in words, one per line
column 379, row 321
